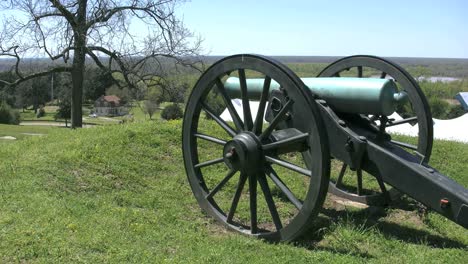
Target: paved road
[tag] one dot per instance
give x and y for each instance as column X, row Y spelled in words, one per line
column 47, row 123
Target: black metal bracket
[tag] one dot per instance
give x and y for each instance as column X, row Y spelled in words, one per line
column 347, row 146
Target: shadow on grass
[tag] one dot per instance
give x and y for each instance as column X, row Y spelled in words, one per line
column 367, row 219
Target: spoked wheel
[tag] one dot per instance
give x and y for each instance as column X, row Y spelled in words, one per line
column 413, row 118
column 264, row 180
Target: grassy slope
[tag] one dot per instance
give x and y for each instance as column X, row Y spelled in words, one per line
column 120, row 194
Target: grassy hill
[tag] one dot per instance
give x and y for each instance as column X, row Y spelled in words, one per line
column 120, row 194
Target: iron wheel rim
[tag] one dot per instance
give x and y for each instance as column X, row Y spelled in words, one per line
column 317, row 142
column 418, row 103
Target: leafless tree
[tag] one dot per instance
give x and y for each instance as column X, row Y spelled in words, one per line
column 132, row 39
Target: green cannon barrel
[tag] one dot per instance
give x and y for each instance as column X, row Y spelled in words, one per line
column 351, row 95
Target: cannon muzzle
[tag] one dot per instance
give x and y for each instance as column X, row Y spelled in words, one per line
column 349, row 95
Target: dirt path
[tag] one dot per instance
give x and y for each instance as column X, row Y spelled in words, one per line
column 47, row 123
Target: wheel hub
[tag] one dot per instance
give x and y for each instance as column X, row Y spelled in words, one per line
column 243, row 153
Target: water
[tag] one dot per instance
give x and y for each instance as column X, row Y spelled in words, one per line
column 431, row 79
column 438, row 79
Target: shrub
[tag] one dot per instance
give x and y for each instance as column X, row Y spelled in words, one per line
column 8, row 115
column 40, row 112
column 439, row 107
column 455, row 111
column 64, row 111
column 216, row 103
column 171, row 112
column 150, row 107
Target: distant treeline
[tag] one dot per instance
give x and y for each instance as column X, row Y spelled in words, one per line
column 449, row 67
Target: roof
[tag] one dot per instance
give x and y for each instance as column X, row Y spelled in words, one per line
column 463, row 98
column 111, row 99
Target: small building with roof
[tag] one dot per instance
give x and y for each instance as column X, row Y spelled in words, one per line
column 109, row 105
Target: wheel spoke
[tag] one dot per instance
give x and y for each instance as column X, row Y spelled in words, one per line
column 210, row 138
column 218, row 120
column 221, row 184
column 278, row 118
column 385, row 71
column 237, row 195
column 286, row 142
column 253, row 203
column 208, row 163
column 280, row 184
column 248, row 124
column 405, row 145
column 359, row 69
column 342, row 173
column 261, row 107
column 403, row 121
column 359, row 181
column 289, row 165
column 232, row 111
column 269, row 200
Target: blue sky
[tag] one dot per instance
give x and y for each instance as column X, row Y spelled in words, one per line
column 337, row 28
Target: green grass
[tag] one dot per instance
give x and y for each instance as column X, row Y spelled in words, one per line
column 21, row 132
column 29, row 115
column 120, row 194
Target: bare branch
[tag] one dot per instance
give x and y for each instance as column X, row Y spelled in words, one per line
column 45, row 15
column 37, row 74
column 63, row 10
column 104, row 15
column 115, row 56
column 101, row 31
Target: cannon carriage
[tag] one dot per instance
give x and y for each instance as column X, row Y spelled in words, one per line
column 270, row 173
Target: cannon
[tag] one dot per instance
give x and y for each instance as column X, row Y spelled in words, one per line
column 292, row 140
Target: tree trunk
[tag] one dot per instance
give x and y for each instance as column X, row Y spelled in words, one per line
column 77, row 91
column 79, row 58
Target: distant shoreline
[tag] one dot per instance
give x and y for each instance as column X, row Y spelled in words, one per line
column 329, row 59
column 447, row 67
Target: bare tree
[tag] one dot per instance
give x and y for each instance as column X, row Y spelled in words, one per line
column 134, row 40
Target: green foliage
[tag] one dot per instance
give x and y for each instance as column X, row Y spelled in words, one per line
column 64, row 111
column 445, row 90
column 439, row 107
column 172, row 88
column 216, row 102
column 436, row 67
column 40, row 112
column 95, row 83
column 455, row 111
column 307, row 69
column 123, row 93
column 439, row 93
column 33, row 93
column 419, row 71
column 8, row 115
column 150, row 107
column 171, row 112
